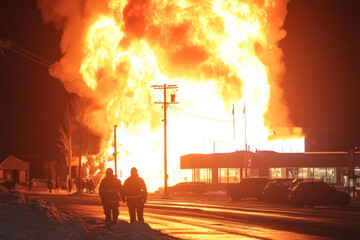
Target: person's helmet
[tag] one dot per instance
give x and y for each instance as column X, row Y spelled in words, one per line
column 109, row 172
column 134, row 170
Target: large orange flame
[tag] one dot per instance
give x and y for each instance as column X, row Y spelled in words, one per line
column 218, row 52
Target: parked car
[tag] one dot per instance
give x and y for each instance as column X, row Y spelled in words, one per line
column 317, row 193
column 297, row 180
column 276, row 191
column 247, row 188
column 188, row 187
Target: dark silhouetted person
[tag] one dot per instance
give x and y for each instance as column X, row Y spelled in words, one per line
column 82, row 185
column 136, row 195
column 57, row 185
column 111, row 192
column 32, row 185
column 70, row 184
column 50, row 185
column 87, row 185
column 77, row 185
column 92, row 185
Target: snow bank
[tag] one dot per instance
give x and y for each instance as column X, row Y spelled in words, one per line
column 23, row 217
column 135, row 231
column 130, row 231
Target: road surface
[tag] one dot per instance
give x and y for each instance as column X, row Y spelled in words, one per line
column 217, row 217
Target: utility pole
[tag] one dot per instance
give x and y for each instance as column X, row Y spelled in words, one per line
column 233, row 113
column 165, row 103
column 351, row 172
column 69, row 156
column 115, row 126
column 246, row 146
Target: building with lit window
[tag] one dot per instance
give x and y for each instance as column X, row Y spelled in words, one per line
column 330, row 167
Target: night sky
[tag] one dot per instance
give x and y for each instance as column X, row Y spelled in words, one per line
column 31, row 102
column 321, row 84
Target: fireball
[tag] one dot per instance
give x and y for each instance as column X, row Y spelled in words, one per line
column 219, row 53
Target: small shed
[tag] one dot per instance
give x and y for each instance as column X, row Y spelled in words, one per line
column 14, row 170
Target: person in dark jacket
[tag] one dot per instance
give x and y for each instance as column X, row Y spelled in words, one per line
column 70, row 184
column 136, row 195
column 50, row 185
column 111, row 192
column 92, row 186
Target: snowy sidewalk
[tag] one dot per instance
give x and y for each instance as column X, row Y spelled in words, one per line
column 24, row 217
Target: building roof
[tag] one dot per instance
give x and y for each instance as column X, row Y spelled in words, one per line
column 266, row 159
column 214, row 160
column 13, row 163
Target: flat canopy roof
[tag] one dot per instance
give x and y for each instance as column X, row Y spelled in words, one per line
column 266, row 159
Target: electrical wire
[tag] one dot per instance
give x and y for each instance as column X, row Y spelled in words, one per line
column 15, row 47
column 196, row 115
column 219, row 141
column 28, row 24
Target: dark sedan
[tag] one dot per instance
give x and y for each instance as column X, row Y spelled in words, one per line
column 276, row 191
column 247, row 188
column 317, row 193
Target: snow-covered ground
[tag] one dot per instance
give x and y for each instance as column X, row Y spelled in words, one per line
column 24, row 217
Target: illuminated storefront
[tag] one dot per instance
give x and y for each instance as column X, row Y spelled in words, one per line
column 327, row 174
column 202, row 175
column 229, row 167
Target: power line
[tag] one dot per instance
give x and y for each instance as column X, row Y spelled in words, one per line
column 219, row 141
column 17, row 48
column 28, row 24
column 196, row 115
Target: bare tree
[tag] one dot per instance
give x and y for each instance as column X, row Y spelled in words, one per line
column 86, row 142
column 65, row 136
column 49, row 168
column 76, row 134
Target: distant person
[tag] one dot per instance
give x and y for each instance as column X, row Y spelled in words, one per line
column 79, row 185
column 70, row 184
column 111, row 192
column 136, row 195
column 92, row 185
column 33, row 185
column 57, row 185
column 50, row 185
column 82, row 185
column 87, row 185
column 76, row 182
